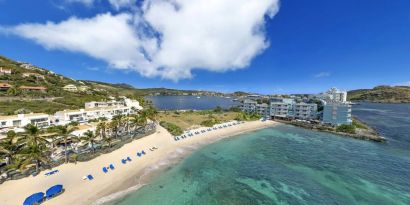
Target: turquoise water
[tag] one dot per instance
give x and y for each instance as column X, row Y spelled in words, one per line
column 286, row 165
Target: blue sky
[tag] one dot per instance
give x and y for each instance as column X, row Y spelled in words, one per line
column 299, row 47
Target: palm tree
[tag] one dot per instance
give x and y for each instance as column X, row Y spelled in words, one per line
column 9, row 146
column 65, row 132
column 101, row 129
column 139, row 121
column 33, row 135
column 114, row 126
column 35, row 147
column 89, row 138
column 108, row 139
column 36, row 153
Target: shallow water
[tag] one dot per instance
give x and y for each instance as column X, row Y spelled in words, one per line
column 289, row 165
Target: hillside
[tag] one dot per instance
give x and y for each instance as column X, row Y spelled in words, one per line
column 28, row 88
column 383, row 94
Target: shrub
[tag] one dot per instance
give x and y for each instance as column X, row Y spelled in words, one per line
column 172, row 128
column 346, row 129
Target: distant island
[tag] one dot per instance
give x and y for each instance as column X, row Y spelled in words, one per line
column 381, row 94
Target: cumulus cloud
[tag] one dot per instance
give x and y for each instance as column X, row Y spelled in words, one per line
column 322, row 75
column 165, row 38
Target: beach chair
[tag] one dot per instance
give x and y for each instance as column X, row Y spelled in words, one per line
column 143, row 152
column 105, row 170
column 90, row 177
column 124, row 161
column 112, row 167
column 139, row 154
column 129, row 159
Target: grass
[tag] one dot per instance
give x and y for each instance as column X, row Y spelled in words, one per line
column 11, row 107
column 192, row 119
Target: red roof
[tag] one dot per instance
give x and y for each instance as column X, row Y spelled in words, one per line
column 5, row 85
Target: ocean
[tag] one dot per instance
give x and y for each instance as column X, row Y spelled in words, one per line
column 290, row 165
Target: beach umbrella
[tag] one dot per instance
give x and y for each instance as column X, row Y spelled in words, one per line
column 54, row 190
column 34, row 199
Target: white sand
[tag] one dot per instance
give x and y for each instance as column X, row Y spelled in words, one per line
column 79, row 191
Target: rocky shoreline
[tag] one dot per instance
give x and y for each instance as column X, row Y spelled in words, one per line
column 362, row 134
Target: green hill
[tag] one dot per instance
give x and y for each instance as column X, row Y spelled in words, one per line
column 28, row 88
column 382, row 94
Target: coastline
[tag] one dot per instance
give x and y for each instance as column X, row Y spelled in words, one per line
column 370, row 134
column 79, row 192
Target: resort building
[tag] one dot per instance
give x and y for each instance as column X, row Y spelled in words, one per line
column 281, row 107
column 21, row 120
column 305, row 111
column 337, row 113
column 263, row 110
column 334, row 95
column 83, row 115
column 70, row 88
column 249, row 106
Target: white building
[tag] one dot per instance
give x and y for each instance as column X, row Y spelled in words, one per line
column 337, row 113
column 334, row 95
column 125, row 102
column 21, row 120
column 4, row 71
column 70, row 88
column 305, row 111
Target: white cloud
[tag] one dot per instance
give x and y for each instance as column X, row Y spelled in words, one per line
column 85, row 2
column 117, row 4
column 166, row 38
column 322, row 75
column 402, row 84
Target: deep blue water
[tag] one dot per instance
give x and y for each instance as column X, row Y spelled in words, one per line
column 190, row 102
column 289, row 165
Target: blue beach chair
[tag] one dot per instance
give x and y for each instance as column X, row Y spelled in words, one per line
column 105, row 170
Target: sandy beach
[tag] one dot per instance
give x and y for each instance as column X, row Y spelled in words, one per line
column 85, row 192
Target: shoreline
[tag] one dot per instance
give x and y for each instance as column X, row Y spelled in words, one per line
column 369, row 135
column 79, row 192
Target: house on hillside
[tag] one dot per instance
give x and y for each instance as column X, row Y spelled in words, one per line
column 83, row 88
column 38, row 76
column 33, row 88
column 4, row 86
column 5, row 71
column 70, row 88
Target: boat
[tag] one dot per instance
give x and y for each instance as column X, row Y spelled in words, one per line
column 198, row 97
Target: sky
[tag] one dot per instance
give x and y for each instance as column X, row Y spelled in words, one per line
column 263, row 46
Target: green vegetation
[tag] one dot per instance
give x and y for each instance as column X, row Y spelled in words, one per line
column 21, row 107
column 172, row 128
column 360, row 125
column 346, row 129
column 191, row 119
column 383, row 94
column 242, row 116
column 210, row 122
